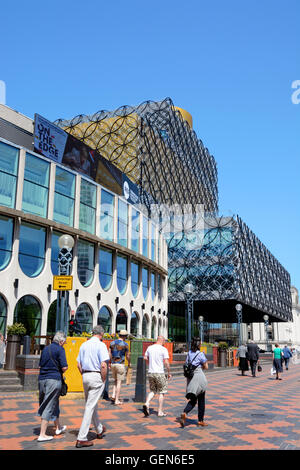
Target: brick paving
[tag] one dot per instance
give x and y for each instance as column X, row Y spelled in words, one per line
column 243, row 413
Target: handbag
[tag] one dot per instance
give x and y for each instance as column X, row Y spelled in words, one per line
column 64, row 386
column 259, row 368
column 188, row 368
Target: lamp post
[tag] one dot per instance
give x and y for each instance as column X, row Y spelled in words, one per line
column 189, row 292
column 201, row 328
column 65, row 243
column 239, row 309
column 266, row 320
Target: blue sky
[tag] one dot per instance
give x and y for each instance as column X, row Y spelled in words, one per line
column 230, row 63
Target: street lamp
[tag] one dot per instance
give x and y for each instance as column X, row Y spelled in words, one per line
column 189, row 292
column 239, row 309
column 266, row 320
column 201, row 328
column 65, row 243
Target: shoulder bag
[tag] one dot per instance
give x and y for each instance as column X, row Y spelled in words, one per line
column 64, row 386
column 188, row 368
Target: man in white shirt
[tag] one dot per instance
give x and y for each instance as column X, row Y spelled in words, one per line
column 158, row 357
column 91, row 364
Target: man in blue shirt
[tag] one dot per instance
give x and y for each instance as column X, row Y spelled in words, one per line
column 286, row 356
column 118, row 350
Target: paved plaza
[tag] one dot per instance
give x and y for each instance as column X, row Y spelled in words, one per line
column 243, row 413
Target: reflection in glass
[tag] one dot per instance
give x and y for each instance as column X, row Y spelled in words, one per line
column 3, row 315
column 9, row 159
column 85, row 256
column 145, row 326
column 134, row 324
column 145, row 237
column 87, row 213
column 122, row 223
column 135, row 230
column 32, row 249
column 134, row 279
column 122, row 273
column 145, row 282
column 84, row 317
column 28, row 311
column 64, row 197
column 107, row 215
column 104, row 319
column 35, row 187
column 105, row 268
column 6, row 239
column 121, row 320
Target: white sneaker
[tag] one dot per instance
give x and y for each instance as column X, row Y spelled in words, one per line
column 43, row 439
column 61, row 430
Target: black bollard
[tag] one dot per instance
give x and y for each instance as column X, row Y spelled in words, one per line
column 140, row 384
column 26, row 344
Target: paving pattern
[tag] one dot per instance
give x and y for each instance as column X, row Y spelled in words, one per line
column 243, row 413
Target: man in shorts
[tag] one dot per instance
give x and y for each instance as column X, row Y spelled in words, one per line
column 118, row 350
column 158, row 357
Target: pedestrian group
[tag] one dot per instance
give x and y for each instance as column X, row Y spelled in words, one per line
column 93, row 361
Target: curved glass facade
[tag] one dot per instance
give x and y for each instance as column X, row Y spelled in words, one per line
column 105, row 268
column 28, row 311
column 145, row 282
column 3, row 314
column 6, row 239
column 85, row 262
column 122, row 273
column 104, row 319
column 134, row 279
column 32, row 249
column 84, row 317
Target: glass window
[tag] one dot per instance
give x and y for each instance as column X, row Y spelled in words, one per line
column 36, row 184
column 87, row 213
column 145, row 282
column 122, row 274
column 104, row 319
column 134, row 324
column 9, row 159
column 153, row 328
column 122, row 223
column 64, row 197
column 32, row 249
column 153, row 243
column 55, row 252
column 3, row 315
column 6, row 239
column 84, row 317
column 134, row 279
column 105, row 268
column 51, row 322
column 135, row 230
column 28, row 311
column 107, row 215
column 85, row 264
column 159, row 286
column 145, row 326
column 145, row 236
column 153, row 285
column 121, row 320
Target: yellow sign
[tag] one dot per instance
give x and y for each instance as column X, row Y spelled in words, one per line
column 62, row 282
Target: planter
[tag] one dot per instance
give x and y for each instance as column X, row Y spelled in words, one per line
column 13, row 349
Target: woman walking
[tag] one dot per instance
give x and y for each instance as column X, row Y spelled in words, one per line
column 277, row 361
column 243, row 361
column 196, row 386
column 52, row 364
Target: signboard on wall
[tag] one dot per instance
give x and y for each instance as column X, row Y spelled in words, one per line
column 56, row 144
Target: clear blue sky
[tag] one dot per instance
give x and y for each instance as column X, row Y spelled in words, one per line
column 230, row 63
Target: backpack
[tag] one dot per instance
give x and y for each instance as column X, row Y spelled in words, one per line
column 188, row 368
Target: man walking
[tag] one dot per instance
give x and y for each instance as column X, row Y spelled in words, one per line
column 118, row 350
column 158, row 357
column 91, row 364
column 253, row 356
column 287, row 354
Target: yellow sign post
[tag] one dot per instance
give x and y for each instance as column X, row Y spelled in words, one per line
column 62, row 282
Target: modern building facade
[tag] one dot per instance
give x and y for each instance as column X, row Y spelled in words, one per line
column 119, row 265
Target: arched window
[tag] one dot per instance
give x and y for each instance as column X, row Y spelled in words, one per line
column 51, row 322
column 3, row 314
column 6, row 238
column 105, row 268
column 32, row 249
column 159, row 327
column 84, row 317
column 28, row 311
column 134, row 324
column 85, row 264
column 104, row 319
column 122, row 274
column 134, row 279
column 121, row 320
column 145, row 326
column 153, row 328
